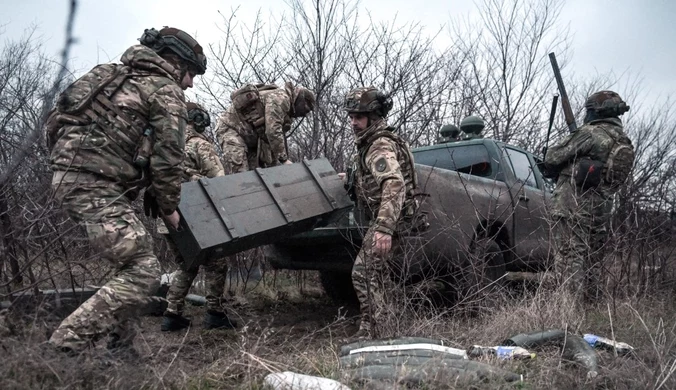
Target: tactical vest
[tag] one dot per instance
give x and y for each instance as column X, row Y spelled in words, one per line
column 249, row 106
column 612, row 167
column 88, row 100
column 369, row 192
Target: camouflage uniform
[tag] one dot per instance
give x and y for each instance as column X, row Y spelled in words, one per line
column 385, row 180
column 96, row 179
column 247, row 146
column 581, row 216
column 200, row 161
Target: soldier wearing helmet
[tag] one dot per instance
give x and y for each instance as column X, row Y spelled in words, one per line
column 114, row 131
column 252, row 130
column 201, row 161
column 448, row 133
column 591, row 164
column 472, row 126
column 385, row 184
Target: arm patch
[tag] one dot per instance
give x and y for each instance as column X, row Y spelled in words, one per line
column 381, row 164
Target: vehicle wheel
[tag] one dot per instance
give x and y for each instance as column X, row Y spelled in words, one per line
column 483, row 277
column 338, row 286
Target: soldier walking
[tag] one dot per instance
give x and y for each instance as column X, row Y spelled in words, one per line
column 591, row 164
column 102, row 155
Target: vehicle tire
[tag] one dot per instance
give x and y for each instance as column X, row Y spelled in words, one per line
column 338, row 286
column 483, row 276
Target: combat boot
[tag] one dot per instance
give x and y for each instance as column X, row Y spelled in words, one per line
column 218, row 320
column 173, row 322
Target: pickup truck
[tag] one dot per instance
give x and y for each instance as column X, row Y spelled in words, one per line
column 486, row 207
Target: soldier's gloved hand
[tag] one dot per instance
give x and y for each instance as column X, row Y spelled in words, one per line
column 150, row 206
column 287, row 162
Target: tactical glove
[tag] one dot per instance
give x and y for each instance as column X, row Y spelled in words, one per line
column 150, row 206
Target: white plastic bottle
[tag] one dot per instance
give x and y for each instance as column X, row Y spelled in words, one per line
column 288, row 380
column 502, row 352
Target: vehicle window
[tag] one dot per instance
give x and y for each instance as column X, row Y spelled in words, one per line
column 470, row 159
column 522, row 168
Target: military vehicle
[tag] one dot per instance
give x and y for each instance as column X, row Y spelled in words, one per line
column 486, row 207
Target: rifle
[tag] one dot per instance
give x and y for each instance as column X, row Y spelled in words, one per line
column 565, row 103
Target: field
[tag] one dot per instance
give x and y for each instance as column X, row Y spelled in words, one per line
column 287, row 324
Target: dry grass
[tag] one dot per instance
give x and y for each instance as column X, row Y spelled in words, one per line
column 288, row 330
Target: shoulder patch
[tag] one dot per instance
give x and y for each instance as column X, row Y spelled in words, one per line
column 381, row 164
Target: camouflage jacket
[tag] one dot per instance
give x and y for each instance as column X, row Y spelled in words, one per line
column 201, row 159
column 277, row 103
column 384, row 176
column 594, row 140
column 151, row 97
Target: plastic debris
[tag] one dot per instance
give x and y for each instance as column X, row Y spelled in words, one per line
column 501, row 352
column 607, row 344
column 288, row 380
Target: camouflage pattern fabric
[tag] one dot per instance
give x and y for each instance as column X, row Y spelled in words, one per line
column 95, row 179
column 581, row 216
column 373, row 284
column 246, row 141
column 201, row 160
column 153, row 98
column 237, row 156
column 381, row 186
column 215, row 273
column 118, row 237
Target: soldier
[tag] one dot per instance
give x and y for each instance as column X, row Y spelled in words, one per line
column 201, row 160
column 448, row 133
column 384, row 182
column 100, row 137
column 251, row 131
column 590, row 164
column 472, row 126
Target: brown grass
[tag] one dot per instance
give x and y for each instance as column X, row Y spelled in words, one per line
column 303, row 332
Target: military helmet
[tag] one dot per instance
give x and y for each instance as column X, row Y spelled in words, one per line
column 367, row 100
column 606, row 104
column 449, row 131
column 198, row 116
column 178, row 42
column 472, row 125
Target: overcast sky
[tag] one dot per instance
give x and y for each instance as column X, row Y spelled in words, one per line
column 635, row 36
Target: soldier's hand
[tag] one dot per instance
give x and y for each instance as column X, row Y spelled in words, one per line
column 382, row 243
column 288, row 162
column 342, row 176
column 173, row 219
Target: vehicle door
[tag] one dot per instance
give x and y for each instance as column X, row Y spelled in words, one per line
column 531, row 228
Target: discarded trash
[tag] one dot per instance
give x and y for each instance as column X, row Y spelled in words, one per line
column 288, row 380
column 454, row 353
column 574, row 347
column 346, row 349
column 607, row 344
column 413, row 361
column 502, row 352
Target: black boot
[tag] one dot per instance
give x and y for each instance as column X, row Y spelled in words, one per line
column 173, row 322
column 218, row 320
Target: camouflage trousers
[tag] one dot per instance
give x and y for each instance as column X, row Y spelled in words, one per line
column 118, row 237
column 372, row 281
column 215, row 270
column 238, row 157
column 579, row 255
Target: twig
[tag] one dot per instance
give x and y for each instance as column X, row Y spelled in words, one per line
column 47, row 101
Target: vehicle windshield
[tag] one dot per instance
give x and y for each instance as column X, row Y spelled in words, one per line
column 469, row 159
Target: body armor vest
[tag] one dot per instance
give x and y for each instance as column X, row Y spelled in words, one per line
column 368, row 191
